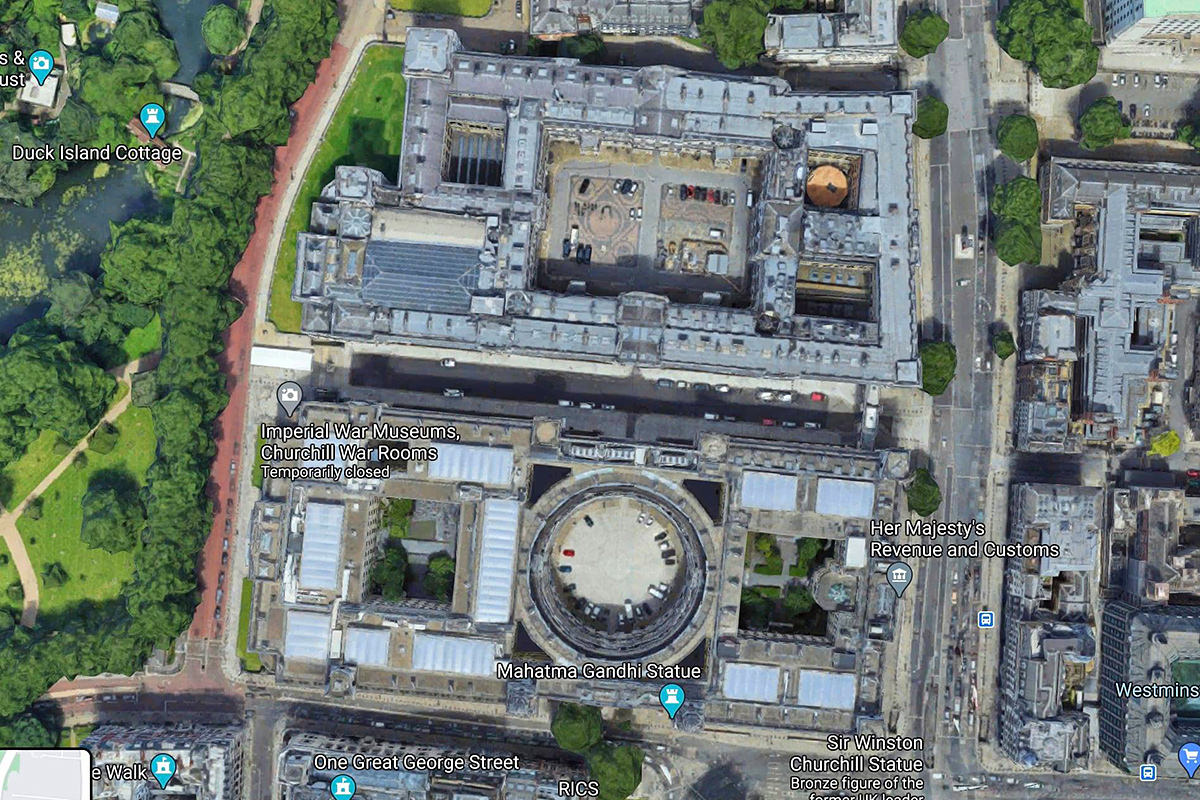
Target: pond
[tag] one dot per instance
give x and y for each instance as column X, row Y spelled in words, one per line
column 121, row 194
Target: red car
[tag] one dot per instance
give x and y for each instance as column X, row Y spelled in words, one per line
column 712, row 195
column 691, row 190
column 568, row 552
column 768, row 422
column 817, row 397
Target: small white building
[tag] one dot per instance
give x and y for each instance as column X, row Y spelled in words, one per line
column 108, row 12
column 43, row 95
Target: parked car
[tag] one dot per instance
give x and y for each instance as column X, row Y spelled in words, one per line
column 566, row 247
column 817, row 397
column 565, row 568
column 449, row 362
column 768, row 422
column 584, row 185
column 587, row 254
column 452, row 393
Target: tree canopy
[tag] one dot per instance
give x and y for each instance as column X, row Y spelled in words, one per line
column 1017, row 136
column 924, row 494
column 1053, row 37
column 1189, row 132
column 1017, row 206
column 733, row 30
column 618, row 770
column 390, row 572
column 222, row 28
column 938, row 362
column 576, row 728
column 1165, row 444
column 113, row 514
column 1003, row 344
column 923, row 31
column 932, row 116
column 439, row 577
column 1101, row 124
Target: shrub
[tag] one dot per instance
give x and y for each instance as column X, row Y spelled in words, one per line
column 1003, row 344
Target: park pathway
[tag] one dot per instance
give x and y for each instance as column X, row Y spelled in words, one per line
column 8, row 520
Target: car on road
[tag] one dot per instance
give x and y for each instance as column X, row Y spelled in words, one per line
column 787, row 423
column 813, row 426
column 586, row 405
column 584, row 185
column 587, row 254
column 520, row 9
column 723, row 388
column 766, row 395
column 768, row 422
column 701, row 387
column 666, row 383
column 565, row 568
column 568, row 552
column 452, row 393
column 711, row 417
column 449, row 362
column 607, row 407
column 818, row 397
column 784, row 397
column 566, row 251
column 566, row 403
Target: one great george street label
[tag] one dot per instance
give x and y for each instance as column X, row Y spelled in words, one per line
column 956, row 539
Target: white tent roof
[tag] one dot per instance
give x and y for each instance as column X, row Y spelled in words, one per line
column 494, row 572
column 839, row 497
column 757, row 683
column 435, row 652
column 472, row 464
column 281, row 358
column 821, row 689
column 856, row 552
column 769, row 491
column 321, row 550
column 367, row 646
column 307, row 634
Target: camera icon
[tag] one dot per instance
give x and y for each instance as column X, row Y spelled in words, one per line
column 40, row 63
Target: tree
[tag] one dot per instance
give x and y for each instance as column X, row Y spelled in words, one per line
column 1053, row 37
column 755, row 611
column 223, row 28
column 1017, row 135
column 1165, row 444
column 932, row 116
column 1101, row 124
column 587, row 47
column 1189, row 132
column 618, row 770
column 396, row 516
column 439, row 577
column 26, row 730
column 1003, row 344
column 113, row 514
column 1018, row 243
column 938, row 362
column 923, row 31
column 797, row 601
column 924, row 494
column 1018, row 200
column 389, row 574
column 733, row 29
column 576, row 728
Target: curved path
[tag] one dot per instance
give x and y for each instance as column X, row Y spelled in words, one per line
column 8, row 520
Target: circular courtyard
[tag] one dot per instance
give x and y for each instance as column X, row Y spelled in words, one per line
column 617, row 569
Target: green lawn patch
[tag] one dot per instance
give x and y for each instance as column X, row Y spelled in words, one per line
column 143, row 341
column 365, row 129
column 770, row 592
column 250, row 661
column 460, row 8
column 20, row 477
column 256, row 477
column 53, row 540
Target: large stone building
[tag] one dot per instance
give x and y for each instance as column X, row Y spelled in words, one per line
column 1168, row 29
column 1098, row 355
column 648, row 217
column 572, row 551
column 1049, row 644
column 861, row 32
column 208, row 760
column 1150, row 643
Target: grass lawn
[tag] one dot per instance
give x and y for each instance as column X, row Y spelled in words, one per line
column 256, row 477
column 250, row 661
column 144, row 340
column 366, row 130
column 93, row 574
column 461, row 8
column 21, row 476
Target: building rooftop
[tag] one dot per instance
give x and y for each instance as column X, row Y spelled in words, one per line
column 756, row 277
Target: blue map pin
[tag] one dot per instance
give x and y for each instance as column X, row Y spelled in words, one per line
column 342, row 787
column 153, row 118
column 163, row 767
column 671, row 698
column 40, row 64
column 1189, row 756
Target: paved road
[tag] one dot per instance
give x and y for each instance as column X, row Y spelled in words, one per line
column 963, row 291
